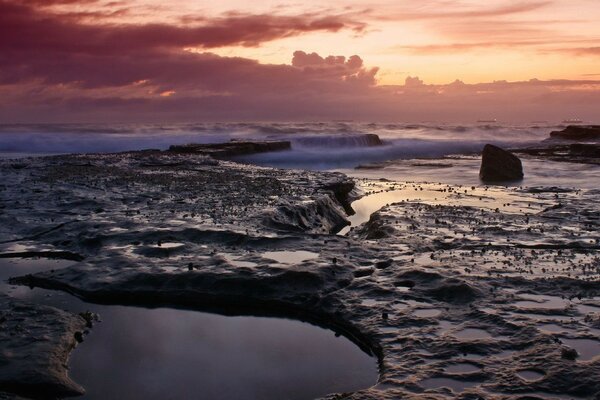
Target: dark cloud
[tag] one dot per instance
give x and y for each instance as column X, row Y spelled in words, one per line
column 25, row 27
column 61, row 67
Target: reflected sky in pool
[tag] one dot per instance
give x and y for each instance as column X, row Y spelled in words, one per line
column 140, row 353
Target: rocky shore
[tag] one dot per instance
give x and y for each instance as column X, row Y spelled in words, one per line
column 575, row 143
column 459, row 276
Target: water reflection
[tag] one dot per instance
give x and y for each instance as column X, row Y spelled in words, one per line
column 290, row 257
column 139, row 353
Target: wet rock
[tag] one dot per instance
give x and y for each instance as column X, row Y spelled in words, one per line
column 463, row 266
column 231, row 149
column 376, row 228
column 343, row 191
column 322, row 214
column 569, row 353
column 456, row 292
column 373, row 140
column 499, row 165
column 30, row 366
column 384, row 264
column 353, row 140
column 584, row 153
column 578, row 132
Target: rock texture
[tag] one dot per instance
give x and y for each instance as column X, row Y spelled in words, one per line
column 457, row 275
column 499, row 165
column 578, row 132
column 231, row 149
column 584, row 153
column 35, row 342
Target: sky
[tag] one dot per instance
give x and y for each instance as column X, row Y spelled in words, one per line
column 391, row 60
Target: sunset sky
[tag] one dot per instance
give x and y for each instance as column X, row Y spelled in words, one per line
column 137, row 60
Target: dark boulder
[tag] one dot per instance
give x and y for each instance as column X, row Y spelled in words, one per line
column 578, row 132
column 499, row 165
column 373, row 140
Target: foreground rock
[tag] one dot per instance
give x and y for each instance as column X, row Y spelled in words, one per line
column 35, row 342
column 578, row 132
column 499, row 165
column 231, row 149
column 422, row 286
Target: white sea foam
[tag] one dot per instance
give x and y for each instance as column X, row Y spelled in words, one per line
column 325, row 145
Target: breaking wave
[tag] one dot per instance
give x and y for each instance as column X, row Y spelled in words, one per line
column 314, row 144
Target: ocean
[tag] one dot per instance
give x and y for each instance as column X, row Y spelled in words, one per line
column 407, row 151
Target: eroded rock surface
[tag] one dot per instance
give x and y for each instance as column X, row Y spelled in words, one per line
column 35, row 342
column 501, row 280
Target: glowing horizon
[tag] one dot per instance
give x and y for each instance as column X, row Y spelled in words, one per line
column 129, row 52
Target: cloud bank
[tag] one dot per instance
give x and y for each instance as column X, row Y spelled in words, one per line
column 58, row 66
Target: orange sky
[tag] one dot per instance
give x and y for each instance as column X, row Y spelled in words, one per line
column 438, row 40
column 67, row 58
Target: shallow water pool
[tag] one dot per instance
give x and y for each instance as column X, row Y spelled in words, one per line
column 164, row 353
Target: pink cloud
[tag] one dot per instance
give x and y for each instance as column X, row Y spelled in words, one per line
column 61, row 68
column 24, row 27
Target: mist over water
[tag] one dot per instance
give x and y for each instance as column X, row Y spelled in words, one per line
column 413, row 149
column 314, row 145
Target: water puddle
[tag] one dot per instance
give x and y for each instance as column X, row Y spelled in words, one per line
column 472, row 334
column 290, row 257
column 10, row 267
column 446, row 326
column 541, row 317
column 587, row 348
column 384, row 193
column 454, row 384
column 588, row 308
column 462, row 368
column 530, row 375
column 553, row 328
column 139, row 353
column 236, row 262
column 505, row 354
column 169, row 245
column 428, row 313
column 473, row 357
column 371, row 302
column 541, row 302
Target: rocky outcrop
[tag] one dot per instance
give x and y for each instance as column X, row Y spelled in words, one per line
column 35, row 342
column 231, row 149
column 373, row 140
column 578, row 132
column 336, row 141
column 584, row 153
column 499, row 165
column 321, row 215
column 433, row 284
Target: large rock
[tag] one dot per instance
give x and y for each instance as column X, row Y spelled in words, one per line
column 578, row 132
column 499, row 165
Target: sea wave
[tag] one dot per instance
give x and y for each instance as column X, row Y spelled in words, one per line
column 314, row 144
